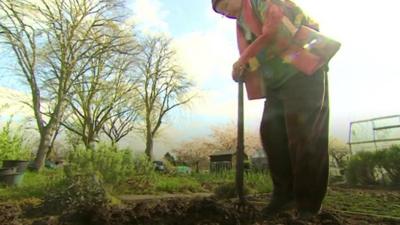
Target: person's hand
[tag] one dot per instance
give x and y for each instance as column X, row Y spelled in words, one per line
column 237, row 71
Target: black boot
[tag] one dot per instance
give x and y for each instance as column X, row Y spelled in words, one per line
column 279, row 204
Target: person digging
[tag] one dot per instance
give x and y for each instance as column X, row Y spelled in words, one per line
column 294, row 125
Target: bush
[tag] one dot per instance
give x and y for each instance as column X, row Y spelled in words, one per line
column 389, row 160
column 361, row 169
column 112, row 165
column 80, row 194
column 143, row 177
column 368, row 168
column 11, row 144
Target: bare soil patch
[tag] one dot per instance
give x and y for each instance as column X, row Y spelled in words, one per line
column 183, row 209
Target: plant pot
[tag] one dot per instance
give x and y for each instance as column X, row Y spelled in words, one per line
column 13, row 179
column 20, row 164
column 8, row 171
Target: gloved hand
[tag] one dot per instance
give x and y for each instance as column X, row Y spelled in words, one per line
column 238, row 69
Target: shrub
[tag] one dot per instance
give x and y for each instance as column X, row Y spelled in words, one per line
column 389, row 160
column 112, row 165
column 11, row 144
column 367, row 168
column 362, row 168
column 143, row 177
column 80, row 194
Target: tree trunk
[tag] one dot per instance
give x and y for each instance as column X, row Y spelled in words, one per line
column 51, row 146
column 44, row 145
column 46, row 135
column 197, row 167
column 149, row 145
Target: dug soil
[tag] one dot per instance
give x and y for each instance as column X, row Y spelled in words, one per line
column 181, row 210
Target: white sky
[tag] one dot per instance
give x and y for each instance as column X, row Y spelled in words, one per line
column 364, row 76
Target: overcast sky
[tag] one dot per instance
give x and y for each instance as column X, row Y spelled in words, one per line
column 364, row 76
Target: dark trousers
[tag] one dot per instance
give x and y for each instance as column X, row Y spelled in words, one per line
column 294, row 132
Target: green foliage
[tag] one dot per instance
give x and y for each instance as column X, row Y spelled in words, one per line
column 260, row 182
column 81, row 193
column 11, row 144
column 211, row 180
column 361, row 169
column 143, row 177
column 169, row 167
column 34, row 185
column 366, row 168
column 112, row 165
column 257, row 182
column 389, row 160
column 121, row 171
column 177, row 184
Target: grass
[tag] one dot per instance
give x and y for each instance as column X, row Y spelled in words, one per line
column 34, row 186
column 376, row 202
column 177, row 184
column 256, row 182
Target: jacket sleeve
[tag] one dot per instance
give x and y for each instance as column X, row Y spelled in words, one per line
column 241, row 41
column 273, row 16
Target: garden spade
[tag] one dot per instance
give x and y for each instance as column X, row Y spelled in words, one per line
column 240, row 144
column 242, row 206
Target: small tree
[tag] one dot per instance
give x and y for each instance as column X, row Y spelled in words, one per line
column 339, row 152
column 224, row 137
column 193, row 152
column 162, row 87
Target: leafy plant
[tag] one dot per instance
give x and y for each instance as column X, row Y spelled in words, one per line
column 381, row 167
column 143, row 176
column 80, row 194
column 389, row 160
column 11, row 144
column 112, row 165
column 362, row 168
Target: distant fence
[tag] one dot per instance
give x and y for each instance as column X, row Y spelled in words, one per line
column 374, row 134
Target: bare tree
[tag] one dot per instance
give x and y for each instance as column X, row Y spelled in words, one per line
column 162, row 87
column 52, row 44
column 124, row 120
column 104, row 87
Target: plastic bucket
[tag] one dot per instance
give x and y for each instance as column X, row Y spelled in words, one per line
column 14, row 179
column 20, row 164
column 8, row 170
